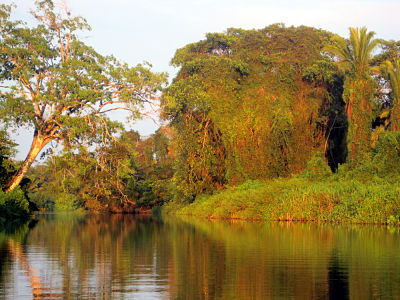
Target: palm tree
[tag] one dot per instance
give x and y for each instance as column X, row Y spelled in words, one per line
column 393, row 72
column 354, row 55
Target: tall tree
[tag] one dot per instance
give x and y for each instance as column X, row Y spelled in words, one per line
column 354, row 56
column 53, row 82
column 249, row 104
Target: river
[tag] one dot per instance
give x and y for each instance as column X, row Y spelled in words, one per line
column 76, row 256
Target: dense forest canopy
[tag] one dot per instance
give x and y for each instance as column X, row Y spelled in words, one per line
column 250, row 104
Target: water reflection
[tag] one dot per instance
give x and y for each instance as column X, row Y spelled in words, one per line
column 119, row 256
column 338, row 278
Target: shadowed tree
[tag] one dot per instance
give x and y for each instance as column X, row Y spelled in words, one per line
column 354, row 57
column 54, row 83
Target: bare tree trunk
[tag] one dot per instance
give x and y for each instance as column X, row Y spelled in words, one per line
column 37, row 145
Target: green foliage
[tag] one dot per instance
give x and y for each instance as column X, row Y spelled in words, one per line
column 355, row 54
column 317, row 168
column 66, row 202
column 42, row 199
column 13, row 205
column 381, row 163
column 251, row 104
column 366, row 192
column 297, row 199
column 248, row 109
column 7, row 149
column 120, row 176
column 60, row 87
column 322, row 71
column 355, row 58
column 393, row 220
column 387, row 154
column 391, row 72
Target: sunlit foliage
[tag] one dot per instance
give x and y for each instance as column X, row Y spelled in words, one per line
column 54, row 83
column 250, row 104
column 354, row 57
column 122, row 175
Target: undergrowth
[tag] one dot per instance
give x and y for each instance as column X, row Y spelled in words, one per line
column 360, row 192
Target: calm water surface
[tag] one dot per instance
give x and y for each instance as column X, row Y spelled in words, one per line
column 73, row 256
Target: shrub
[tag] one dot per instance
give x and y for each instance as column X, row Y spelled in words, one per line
column 387, row 154
column 66, row 202
column 13, row 205
column 317, row 168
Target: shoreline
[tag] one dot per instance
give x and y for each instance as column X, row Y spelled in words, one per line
column 331, row 200
column 259, row 220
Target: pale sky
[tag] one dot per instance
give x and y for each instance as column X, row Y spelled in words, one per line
column 152, row 30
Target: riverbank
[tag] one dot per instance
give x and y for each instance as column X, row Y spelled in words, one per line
column 368, row 193
column 297, row 199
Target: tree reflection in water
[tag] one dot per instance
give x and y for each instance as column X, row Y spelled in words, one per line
column 115, row 256
column 338, row 278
